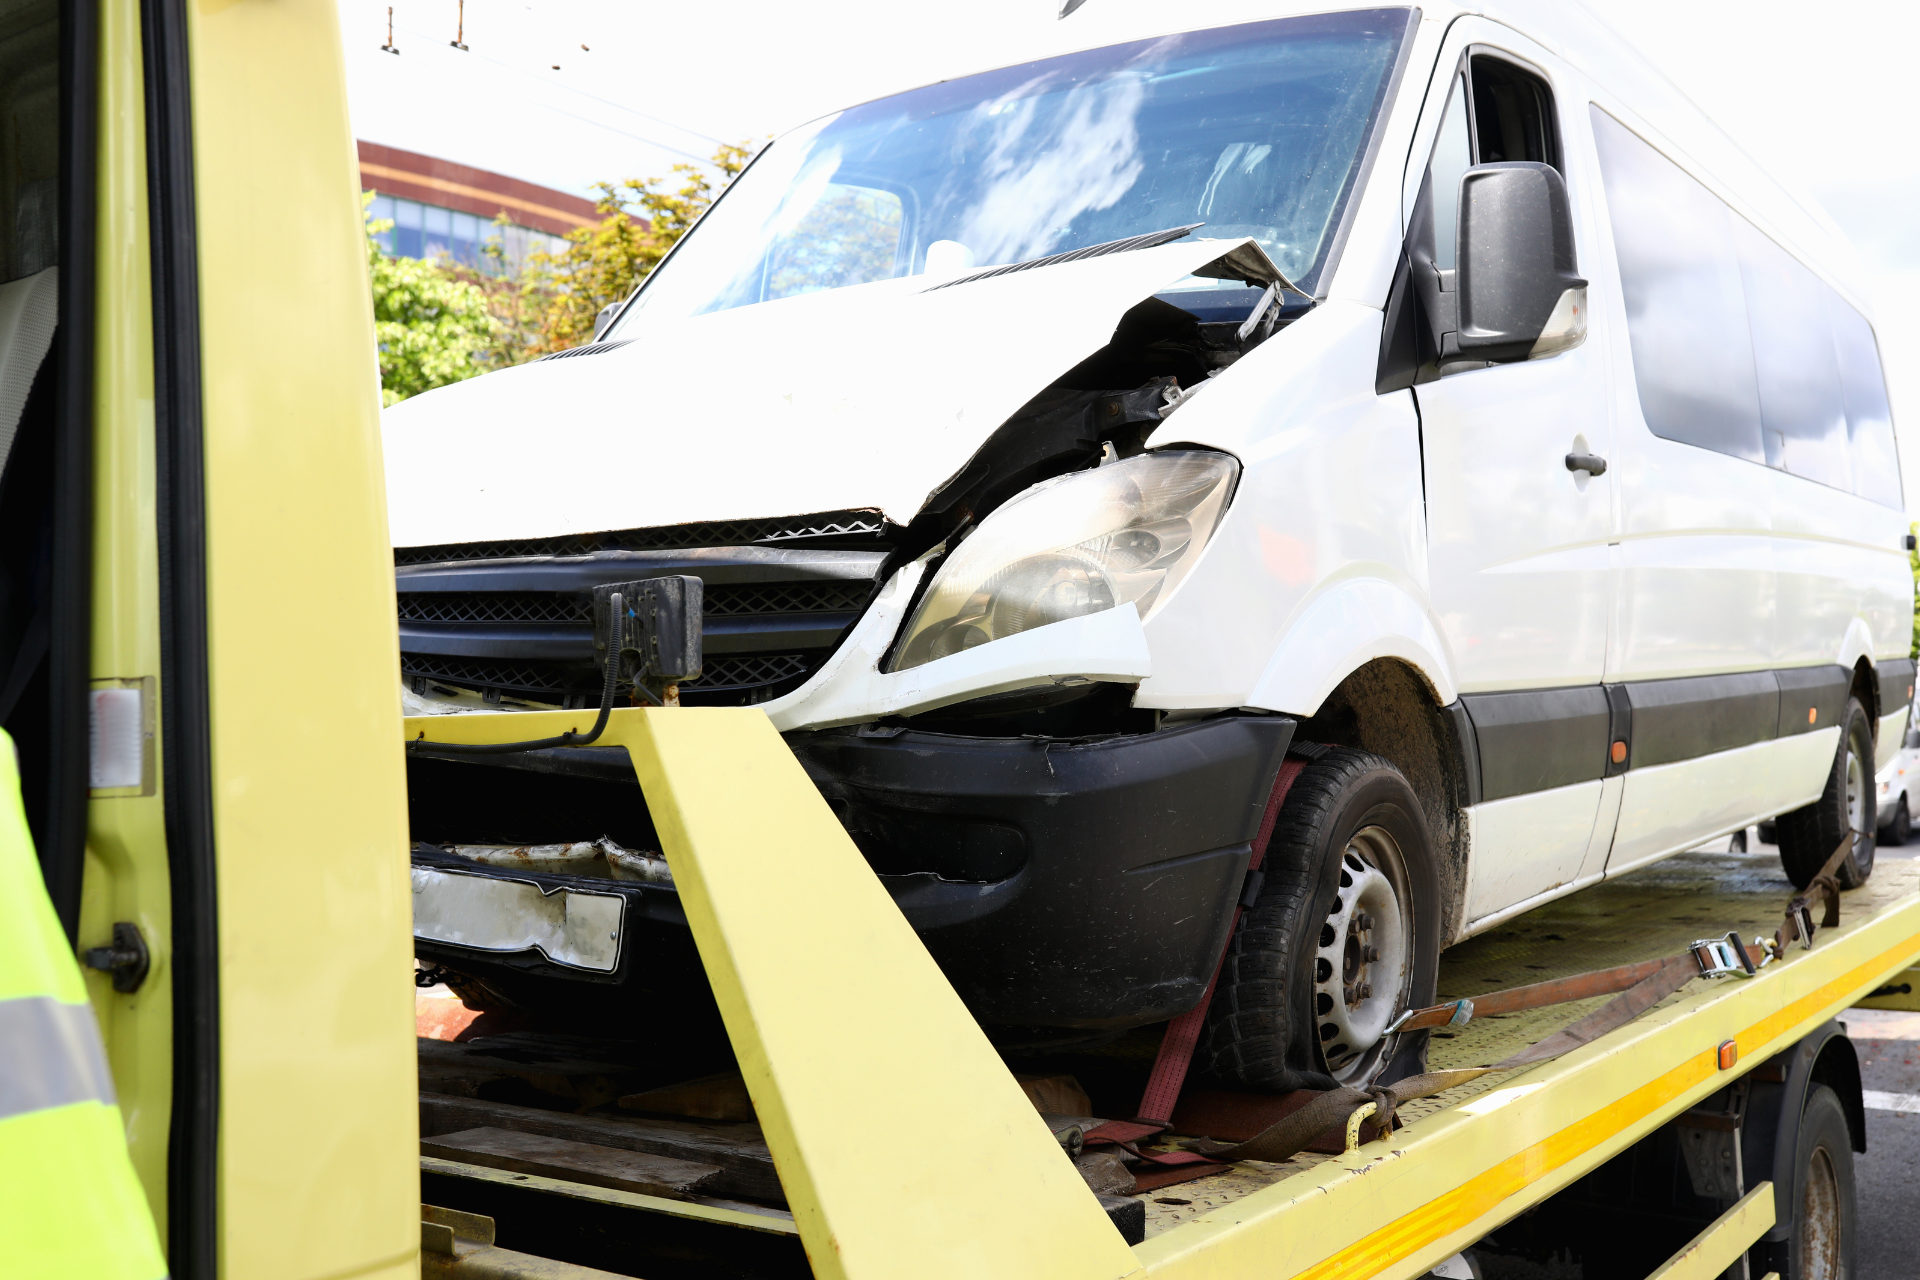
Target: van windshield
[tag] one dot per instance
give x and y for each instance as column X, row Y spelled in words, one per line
column 1254, row 130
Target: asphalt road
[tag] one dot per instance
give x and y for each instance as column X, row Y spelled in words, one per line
column 1887, row 1177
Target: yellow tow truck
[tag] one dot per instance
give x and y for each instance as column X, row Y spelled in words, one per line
column 212, row 777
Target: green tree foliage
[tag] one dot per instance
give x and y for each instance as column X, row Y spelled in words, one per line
column 639, row 221
column 440, row 322
column 1913, row 559
column 432, row 327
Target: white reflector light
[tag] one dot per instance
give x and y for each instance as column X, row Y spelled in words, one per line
column 115, row 728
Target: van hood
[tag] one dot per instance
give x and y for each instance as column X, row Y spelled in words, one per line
column 867, row 397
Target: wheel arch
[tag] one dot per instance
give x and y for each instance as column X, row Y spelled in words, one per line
column 1856, row 654
column 1866, row 687
column 1346, row 627
column 1388, row 706
column 1779, row 1098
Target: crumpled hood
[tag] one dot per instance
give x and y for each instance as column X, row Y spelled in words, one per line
column 864, row 397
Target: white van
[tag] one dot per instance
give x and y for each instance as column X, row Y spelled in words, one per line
column 1430, row 402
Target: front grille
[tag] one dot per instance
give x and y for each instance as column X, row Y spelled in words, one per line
column 779, row 596
column 552, row 681
column 722, row 600
column 495, row 606
column 797, row 597
column 855, row 529
column 523, row 678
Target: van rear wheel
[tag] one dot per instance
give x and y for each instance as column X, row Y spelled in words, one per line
column 1344, row 937
column 1809, row 836
column 1900, row 830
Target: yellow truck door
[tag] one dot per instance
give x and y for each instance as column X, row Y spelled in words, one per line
column 196, row 564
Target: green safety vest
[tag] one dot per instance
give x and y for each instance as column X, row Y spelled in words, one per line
column 70, row 1205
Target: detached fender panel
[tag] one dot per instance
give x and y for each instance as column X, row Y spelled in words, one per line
column 1349, row 625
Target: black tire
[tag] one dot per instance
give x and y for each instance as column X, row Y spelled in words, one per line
column 1901, row 828
column 1348, row 814
column 1809, row 836
column 1819, row 1245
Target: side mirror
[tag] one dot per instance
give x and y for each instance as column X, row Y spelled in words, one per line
column 1519, row 296
column 1913, row 738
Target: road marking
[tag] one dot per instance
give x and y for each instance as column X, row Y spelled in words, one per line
column 1878, row 1101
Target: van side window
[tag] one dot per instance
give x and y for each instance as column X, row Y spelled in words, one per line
column 1737, row 346
column 1495, row 112
column 1512, row 114
column 1452, row 157
column 1507, row 115
column 1876, row 464
column 1803, row 414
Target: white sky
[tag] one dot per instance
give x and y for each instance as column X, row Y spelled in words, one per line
column 1819, row 94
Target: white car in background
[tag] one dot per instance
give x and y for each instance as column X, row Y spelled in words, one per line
column 1898, row 799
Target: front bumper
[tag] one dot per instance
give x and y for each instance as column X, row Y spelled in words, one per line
column 1059, row 883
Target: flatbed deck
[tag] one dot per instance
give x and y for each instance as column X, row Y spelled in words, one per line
column 1465, row 1162
column 1644, row 915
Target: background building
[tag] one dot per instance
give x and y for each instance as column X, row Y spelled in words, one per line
column 439, row 207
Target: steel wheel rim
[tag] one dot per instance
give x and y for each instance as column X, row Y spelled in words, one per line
column 1856, row 788
column 1820, row 1220
column 1363, row 963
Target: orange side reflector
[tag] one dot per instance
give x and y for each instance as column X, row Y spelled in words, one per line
column 1619, row 753
column 1811, row 713
column 1729, row 1054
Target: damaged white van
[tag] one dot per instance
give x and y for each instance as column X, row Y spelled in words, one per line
column 1431, row 402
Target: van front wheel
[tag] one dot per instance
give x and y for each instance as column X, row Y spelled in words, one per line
column 1809, row 836
column 1344, row 937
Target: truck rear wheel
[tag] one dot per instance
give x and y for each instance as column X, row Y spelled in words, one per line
column 1820, row 1244
column 1900, row 830
column 1344, row 936
column 1809, row 836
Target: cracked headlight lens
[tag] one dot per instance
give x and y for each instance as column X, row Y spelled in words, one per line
column 1124, row 533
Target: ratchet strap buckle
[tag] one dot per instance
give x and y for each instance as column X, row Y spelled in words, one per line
column 1718, row 956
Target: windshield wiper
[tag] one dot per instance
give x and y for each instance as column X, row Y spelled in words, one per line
column 1148, row 241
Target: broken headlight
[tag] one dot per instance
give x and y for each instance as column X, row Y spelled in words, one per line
column 1125, row 533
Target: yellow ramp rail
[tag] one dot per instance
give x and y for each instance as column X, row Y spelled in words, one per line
column 888, row 1113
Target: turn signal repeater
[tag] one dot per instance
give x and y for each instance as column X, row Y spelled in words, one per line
column 1619, row 753
column 1729, row 1054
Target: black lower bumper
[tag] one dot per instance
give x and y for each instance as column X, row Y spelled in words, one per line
column 1085, row 885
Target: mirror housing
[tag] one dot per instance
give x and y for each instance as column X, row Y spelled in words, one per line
column 1519, row 296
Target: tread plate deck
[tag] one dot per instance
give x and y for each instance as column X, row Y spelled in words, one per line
column 1646, row 914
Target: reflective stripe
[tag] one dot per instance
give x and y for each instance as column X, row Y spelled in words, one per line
column 50, row 1056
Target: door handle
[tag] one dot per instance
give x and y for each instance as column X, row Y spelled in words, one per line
column 1591, row 463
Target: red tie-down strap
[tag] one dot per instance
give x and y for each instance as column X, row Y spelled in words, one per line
column 1183, row 1033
